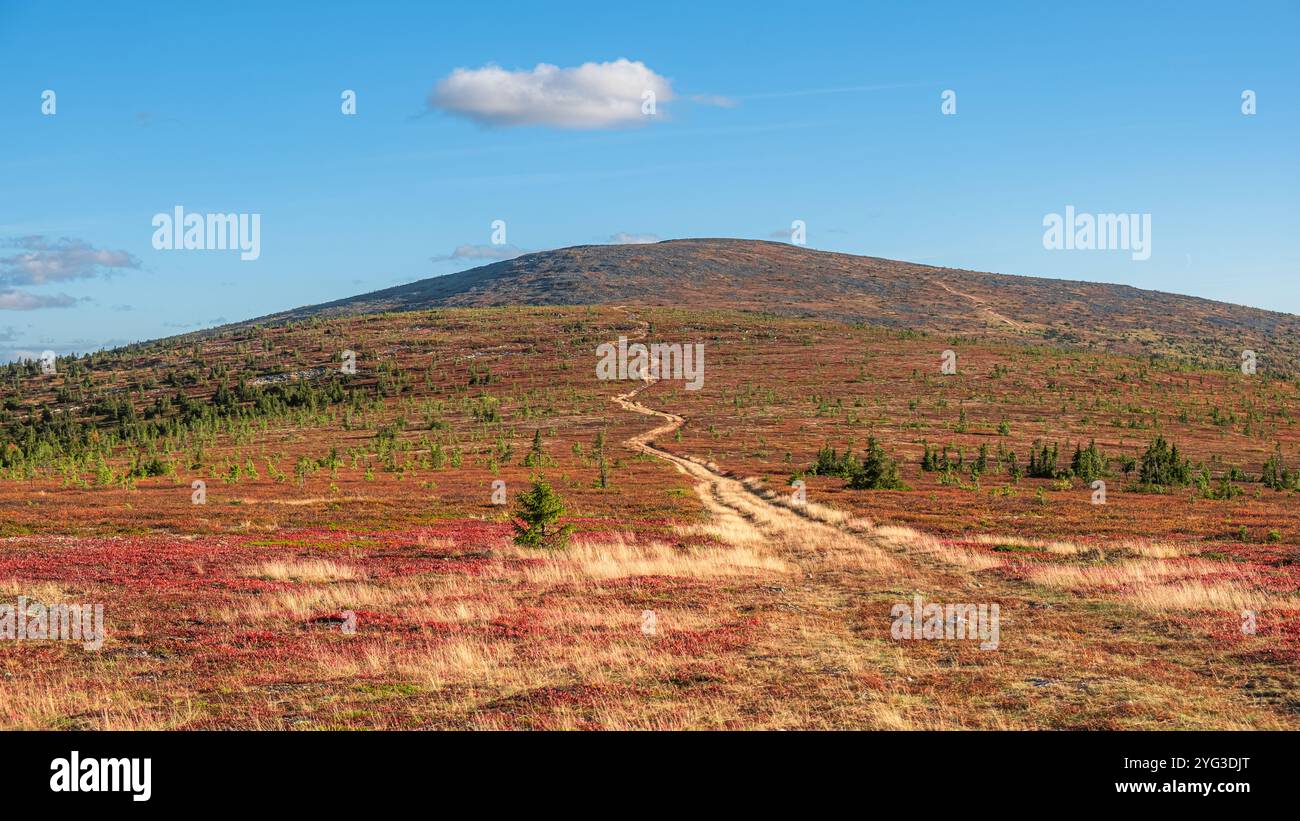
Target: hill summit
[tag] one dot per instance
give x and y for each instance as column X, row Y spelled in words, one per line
column 776, row 277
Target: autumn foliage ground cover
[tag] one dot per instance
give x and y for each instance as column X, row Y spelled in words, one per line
column 371, row 509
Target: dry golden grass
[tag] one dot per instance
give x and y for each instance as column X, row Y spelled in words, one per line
column 1122, row 574
column 858, row 535
column 1149, row 549
column 395, row 595
column 311, row 571
column 486, row 664
column 46, row 592
column 1049, row 545
column 1193, row 594
column 94, row 701
column 594, row 646
column 458, row 610
column 622, row 556
column 911, row 541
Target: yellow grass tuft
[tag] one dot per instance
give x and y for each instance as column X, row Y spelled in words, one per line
column 44, row 592
column 1147, row 571
column 622, row 556
column 1193, row 594
column 312, row 570
column 912, row 541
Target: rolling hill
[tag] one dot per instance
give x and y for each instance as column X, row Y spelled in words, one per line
column 237, row 497
column 790, row 280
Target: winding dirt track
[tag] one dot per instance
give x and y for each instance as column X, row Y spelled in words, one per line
column 722, row 494
column 738, row 502
column 845, row 562
column 706, row 478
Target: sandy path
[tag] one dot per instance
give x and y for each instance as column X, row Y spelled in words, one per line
column 845, row 561
column 741, row 504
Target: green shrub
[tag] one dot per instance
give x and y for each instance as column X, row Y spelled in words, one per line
column 1042, row 462
column 1162, row 466
column 537, row 519
column 1088, row 463
column 877, row 471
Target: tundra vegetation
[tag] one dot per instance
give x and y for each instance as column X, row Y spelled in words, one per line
column 367, row 499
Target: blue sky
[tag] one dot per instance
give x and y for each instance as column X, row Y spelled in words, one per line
column 830, row 115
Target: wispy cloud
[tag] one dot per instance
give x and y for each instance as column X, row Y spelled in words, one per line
column 41, row 260
column 812, row 92
column 713, row 99
column 476, row 253
column 624, row 238
column 71, row 346
column 15, row 300
column 589, row 96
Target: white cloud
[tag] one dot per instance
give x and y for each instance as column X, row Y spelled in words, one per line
column 624, row 238
column 42, row 260
column 592, row 95
column 481, row 252
column 15, row 300
column 61, row 348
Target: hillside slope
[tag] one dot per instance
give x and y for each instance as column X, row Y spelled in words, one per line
column 786, row 279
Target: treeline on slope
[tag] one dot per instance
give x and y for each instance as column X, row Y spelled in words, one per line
column 84, row 435
column 1161, row 467
column 874, row 470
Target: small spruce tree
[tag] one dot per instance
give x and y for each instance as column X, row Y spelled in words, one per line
column 876, row 471
column 536, row 457
column 537, row 519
